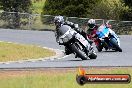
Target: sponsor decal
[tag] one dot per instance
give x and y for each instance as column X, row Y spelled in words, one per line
column 83, row 78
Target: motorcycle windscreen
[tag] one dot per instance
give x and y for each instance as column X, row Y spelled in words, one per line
column 103, row 32
column 63, row 29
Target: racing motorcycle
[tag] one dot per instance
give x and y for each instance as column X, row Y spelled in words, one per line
column 107, row 39
column 75, row 43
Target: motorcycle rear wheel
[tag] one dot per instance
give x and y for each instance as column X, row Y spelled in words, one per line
column 93, row 56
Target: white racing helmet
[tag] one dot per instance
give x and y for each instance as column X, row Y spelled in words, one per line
column 91, row 21
column 58, row 20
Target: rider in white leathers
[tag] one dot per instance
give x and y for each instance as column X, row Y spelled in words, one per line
column 59, row 21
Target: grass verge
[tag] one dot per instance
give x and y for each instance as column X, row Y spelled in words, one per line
column 13, row 52
column 66, row 78
column 38, row 6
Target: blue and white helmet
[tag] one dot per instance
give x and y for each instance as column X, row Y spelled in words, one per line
column 58, row 19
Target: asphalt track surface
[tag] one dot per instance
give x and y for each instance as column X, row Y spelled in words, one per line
column 47, row 39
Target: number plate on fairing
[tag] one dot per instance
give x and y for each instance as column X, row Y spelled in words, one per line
column 82, row 40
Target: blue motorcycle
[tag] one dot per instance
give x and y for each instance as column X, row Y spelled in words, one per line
column 108, row 39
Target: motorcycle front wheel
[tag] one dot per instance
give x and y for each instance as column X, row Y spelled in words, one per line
column 115, row 44
column 79, row 52
column 99, row 48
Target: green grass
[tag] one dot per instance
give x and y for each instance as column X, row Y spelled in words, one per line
column 38, row 6
column 13, row 52
column 38, row 25
column 36, row 21
column 57, row 78
column 37, row 9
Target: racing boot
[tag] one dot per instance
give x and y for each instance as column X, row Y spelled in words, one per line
column 67, row 51
column 90, row 42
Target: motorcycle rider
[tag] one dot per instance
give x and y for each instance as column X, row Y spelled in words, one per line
column 92, row 28
column 91, row 32
column 59, row 21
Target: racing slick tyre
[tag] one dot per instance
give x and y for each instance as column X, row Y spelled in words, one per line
column 115, row 45
column 93, row 56
column 75, row 48
column 99, row 48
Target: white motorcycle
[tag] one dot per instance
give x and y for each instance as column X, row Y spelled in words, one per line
column 75, row 43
